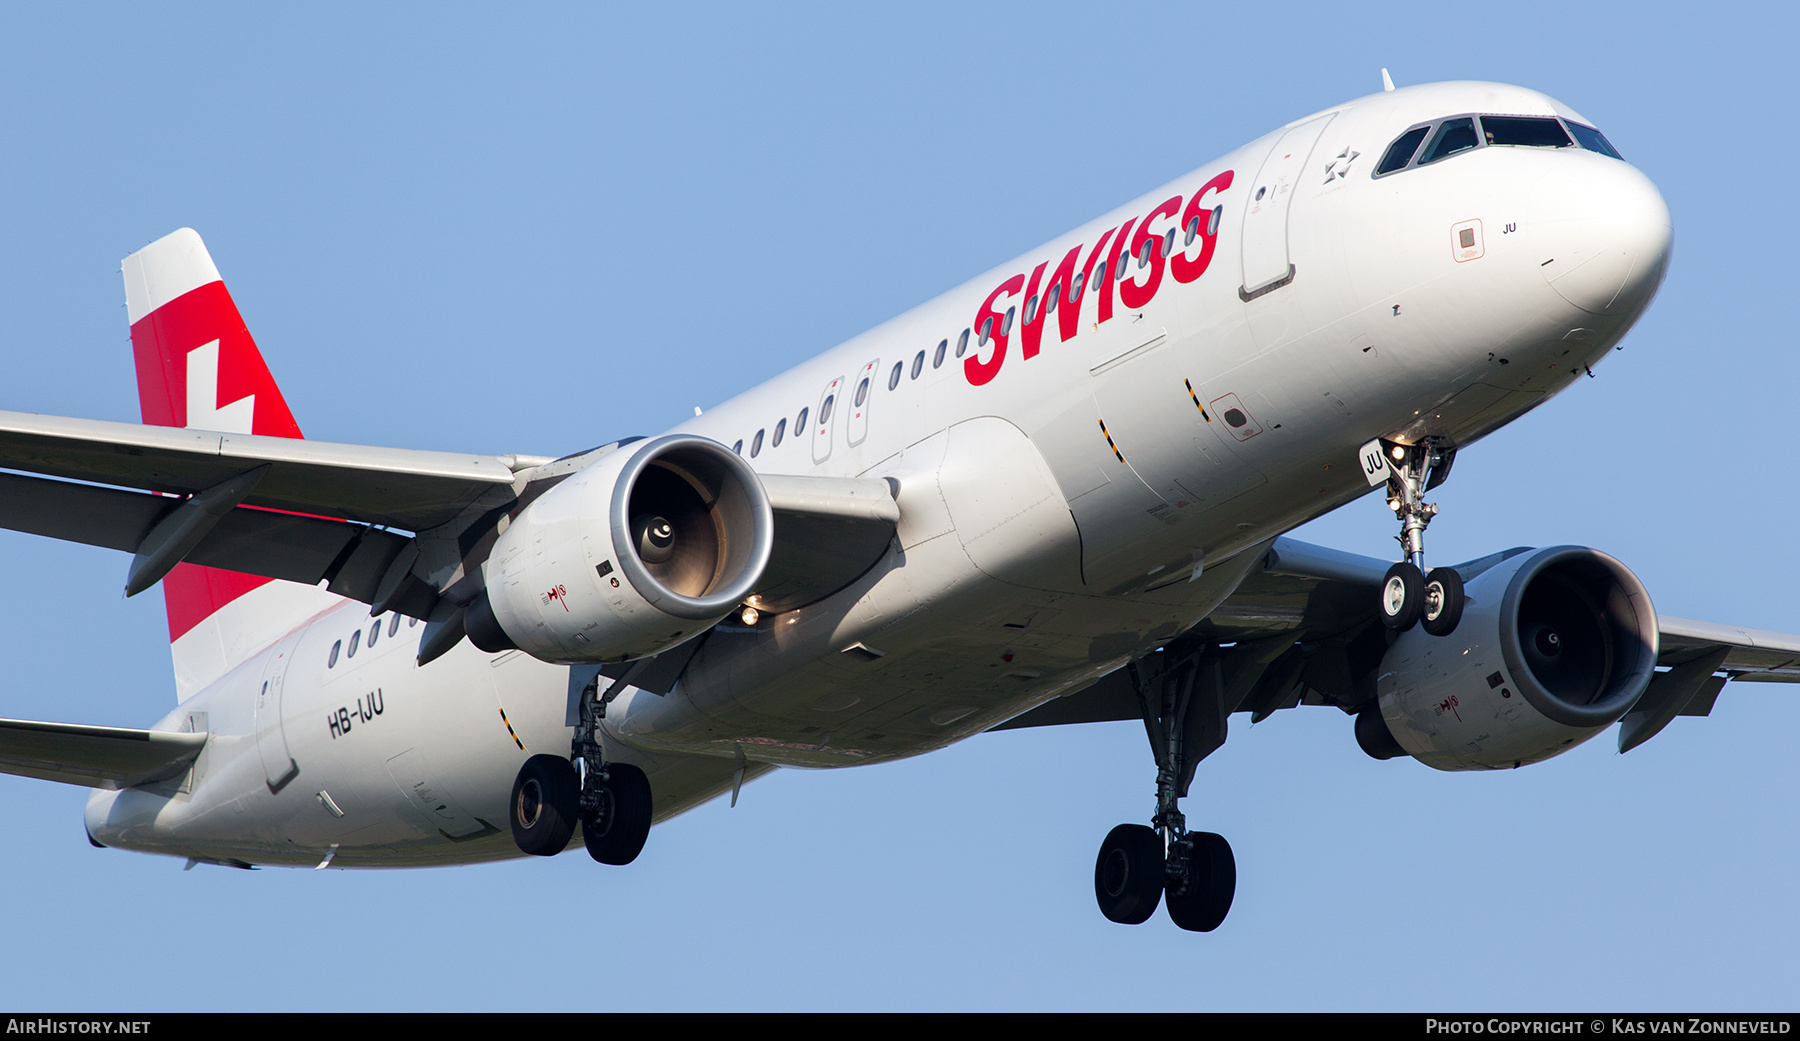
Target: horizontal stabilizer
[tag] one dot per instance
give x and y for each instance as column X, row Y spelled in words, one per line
column 94, row 757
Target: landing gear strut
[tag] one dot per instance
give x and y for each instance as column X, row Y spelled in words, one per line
column 1410, row 595
column 611, row 800
column 1184, row 717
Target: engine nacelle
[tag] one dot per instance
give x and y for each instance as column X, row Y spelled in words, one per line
column 647, row 547
column 1554, row 646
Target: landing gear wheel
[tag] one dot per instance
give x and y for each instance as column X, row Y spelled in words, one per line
column 1402, row 596
column 1128, row 876
column 1444, row 600
column 1200, row 901
column 615, row 834
column 544, row 805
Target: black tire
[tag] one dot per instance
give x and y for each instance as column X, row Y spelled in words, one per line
column 1128, row 875
column 616, row 835
column 1402, row 596
column 1443, row 606
column 1204, row 898
column 544, row 804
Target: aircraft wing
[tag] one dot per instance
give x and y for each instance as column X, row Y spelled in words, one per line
column 1306, row 613
column 94, row 757
column 313, row 511
column 395, row 487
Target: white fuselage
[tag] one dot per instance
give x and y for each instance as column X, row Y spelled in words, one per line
column 1067, row 502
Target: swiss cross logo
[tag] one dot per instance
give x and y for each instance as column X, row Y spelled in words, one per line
column 198, row 367
column 203, row 409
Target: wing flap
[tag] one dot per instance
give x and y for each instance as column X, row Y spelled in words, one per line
column 83, row 513
column 290, row 546
column 94, row 757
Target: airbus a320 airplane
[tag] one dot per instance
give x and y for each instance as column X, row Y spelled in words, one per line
column 1055, row 494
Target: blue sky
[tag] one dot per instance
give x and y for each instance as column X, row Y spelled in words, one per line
column 535, row 232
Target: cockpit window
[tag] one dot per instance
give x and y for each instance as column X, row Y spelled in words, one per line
column 1525, row 131
column 1593, row 140
column 1456, row 135
column 1401, row 151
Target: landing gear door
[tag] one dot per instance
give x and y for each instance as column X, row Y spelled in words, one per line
column 824, row 419
column 278, row 763
column 1265, row 244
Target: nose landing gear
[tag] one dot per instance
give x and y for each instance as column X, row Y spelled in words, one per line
column 1194, row 873
column 1409, row 594
column 611, row 800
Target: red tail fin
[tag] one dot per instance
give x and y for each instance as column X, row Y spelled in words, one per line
column 197, row 366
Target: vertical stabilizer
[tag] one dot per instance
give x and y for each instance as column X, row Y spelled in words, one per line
column 197, row 366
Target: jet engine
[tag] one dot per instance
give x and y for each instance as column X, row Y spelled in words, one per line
column 629, row 557
column 1554, row 646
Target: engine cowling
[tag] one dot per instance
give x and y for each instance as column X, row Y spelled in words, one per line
column 640, row 551
column 1554, row 646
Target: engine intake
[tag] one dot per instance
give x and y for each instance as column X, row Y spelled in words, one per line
column 1554, row 646
column 629, row 557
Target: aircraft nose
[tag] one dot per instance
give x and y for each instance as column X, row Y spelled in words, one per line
column 1602, row 233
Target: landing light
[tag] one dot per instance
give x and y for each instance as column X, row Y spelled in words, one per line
column 749, row 615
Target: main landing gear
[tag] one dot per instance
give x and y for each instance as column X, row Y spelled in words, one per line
column 610, row 800
column 1138, row 867
column 1409, row 594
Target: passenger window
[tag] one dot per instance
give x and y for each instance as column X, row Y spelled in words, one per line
column 987, row 327
column 1594, row 141
column 1401, row 151
column 1524, row 131
column 1168, row 245
column 825, row 409
column 1193, row 230
column 937, row 358
column 894, row 377
column 1212, row 222
column 738, row 447
column 1080, row 281
column 756, row 445
column 1456, row 135
column 355, row 638
column 374, row 633
column 1031, row 308
column 393, row 626
column 962, row 343
column 862, row 389
column 780, row 432
column 1006, row 323
column 918, row 365
column 800, row 420
column 331, row 662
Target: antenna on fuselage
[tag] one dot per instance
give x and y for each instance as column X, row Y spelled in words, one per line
column 1387, row 82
